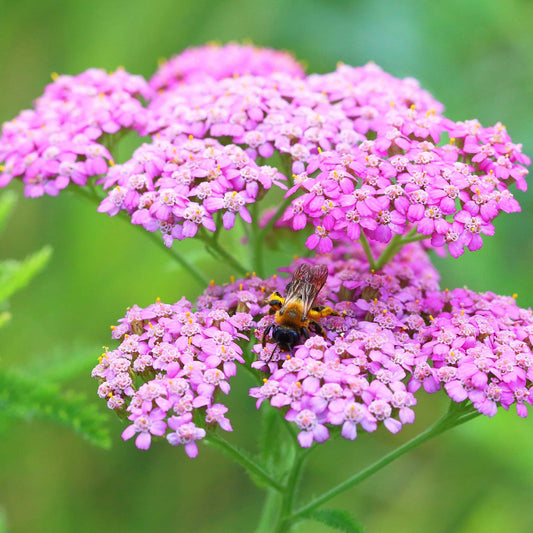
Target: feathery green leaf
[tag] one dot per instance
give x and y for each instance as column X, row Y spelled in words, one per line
column 335, row 519
column 25, row 397
column 14, row 275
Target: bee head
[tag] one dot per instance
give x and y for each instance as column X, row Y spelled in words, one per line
column 285, row 336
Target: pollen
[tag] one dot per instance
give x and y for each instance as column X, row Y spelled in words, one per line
column 265, row 381
column 262, row 288
column 54, row 76
column 232, row 279
column 212, row 283
column 452, row 140
column 431, row 318
column 240, row 286
column 190, row 341
column 158, row 300
column 113, row 327
column 515, row 296
column 111, row 164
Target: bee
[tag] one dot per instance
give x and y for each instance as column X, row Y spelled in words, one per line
column 296, row 315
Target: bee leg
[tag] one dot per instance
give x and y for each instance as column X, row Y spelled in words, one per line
column 265, row 334
column 321, row 311
column 319, row 330
column 275, row 301
column 271, row 353
column 305, row 332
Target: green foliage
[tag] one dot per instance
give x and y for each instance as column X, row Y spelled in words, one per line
column 335, row 519
column 15, row 275
column 25, row 396
column 63, row 364
column 36, row 392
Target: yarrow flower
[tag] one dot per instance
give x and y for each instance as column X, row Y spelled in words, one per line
column 61, row 141
column 367, row 155
column 396, row 333
column 362, row 164
column 215, row 62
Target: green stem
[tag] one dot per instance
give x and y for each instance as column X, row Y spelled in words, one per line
column 368, row 251
column 246, row 462
column 395, row 245
column 181, row 259
column 212, row 243
column 285, row 521
column 456, row 415
column 277, row 215
column 257, row 243
column 270, row 513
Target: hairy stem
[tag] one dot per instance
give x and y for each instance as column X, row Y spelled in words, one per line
column 456, row 415
column 368, row 251
column 244, row 460
column 395, row 245
column 257, row 243
column 285, row 521
column 213, row 245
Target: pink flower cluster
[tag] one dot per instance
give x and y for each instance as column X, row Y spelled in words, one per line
column 178, row 187
column 215, row 62
column 481, row 349
column 60, row 141
column 366, row 152
column 169, row 366
column 397, row 332
column 398, row 175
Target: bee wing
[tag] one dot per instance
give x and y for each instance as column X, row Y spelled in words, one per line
column 305, row 285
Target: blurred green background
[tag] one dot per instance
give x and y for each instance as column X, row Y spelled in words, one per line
column 476, row 57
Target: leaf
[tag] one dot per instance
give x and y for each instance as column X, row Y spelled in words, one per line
column 24, row 396
column 335, row 519
column 7, row 202
column 14, row 275
column 63, row 364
